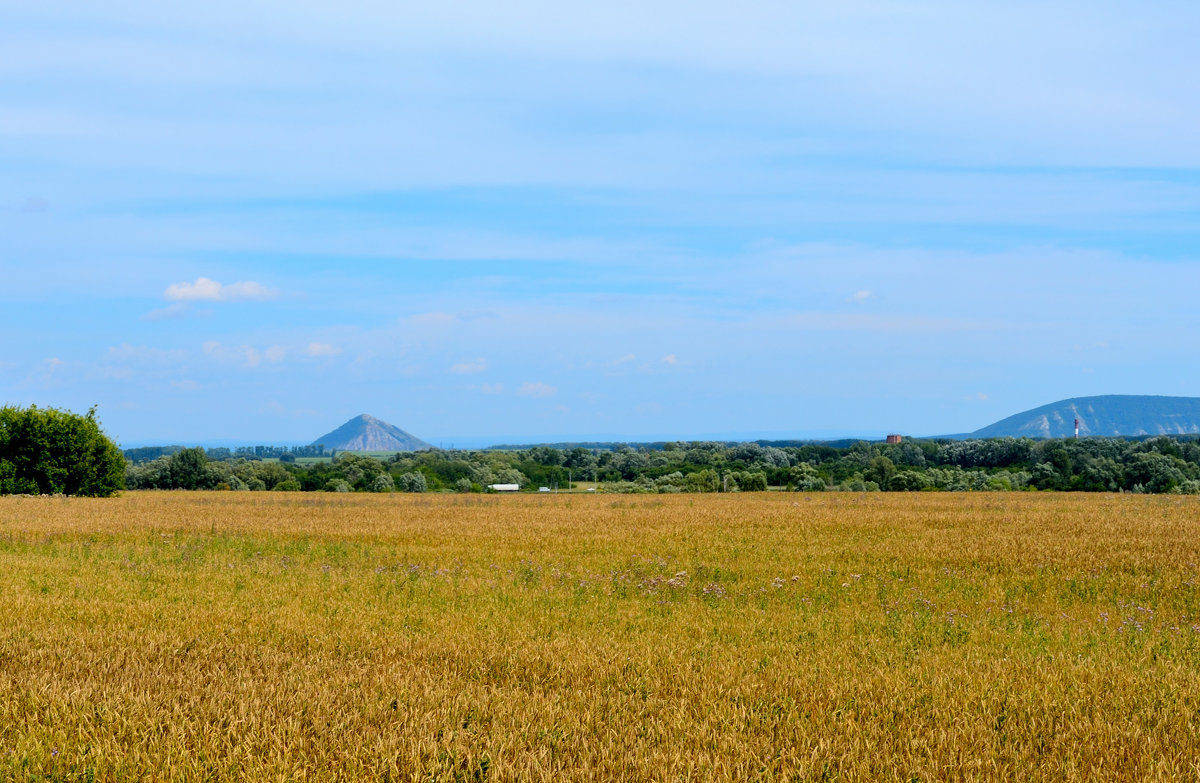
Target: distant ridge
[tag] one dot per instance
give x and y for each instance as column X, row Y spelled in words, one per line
column 1110, row 415
column 367, row 433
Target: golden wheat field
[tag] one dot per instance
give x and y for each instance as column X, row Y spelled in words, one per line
column 279, row 636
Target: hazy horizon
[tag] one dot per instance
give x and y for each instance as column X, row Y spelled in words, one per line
column 256, row 221
column 477, row 442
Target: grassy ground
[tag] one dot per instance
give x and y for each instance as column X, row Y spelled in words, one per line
column 278, row 636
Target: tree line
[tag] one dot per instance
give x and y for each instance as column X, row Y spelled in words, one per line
column 49, row 451
column 1154, row 465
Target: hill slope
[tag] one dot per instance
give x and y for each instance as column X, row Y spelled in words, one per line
column 1107, row 415
column 367, row 433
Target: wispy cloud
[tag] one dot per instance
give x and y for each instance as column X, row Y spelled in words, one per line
column 537, row 389
column 858, row 297
column 322, row 350
column 862, row 322
column 246, row 355
column 174, row 310
column 206, row 290
column 144, row 353
column 433, row 319
column 469, row 367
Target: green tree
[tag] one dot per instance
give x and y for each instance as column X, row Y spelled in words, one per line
column 804, row 478
column 188, row 469
column 1154, row 472
column 50, row 451
column 908, row 481
column 880, row 470
column 411, row 482
column 752, row 481
column 703, row 481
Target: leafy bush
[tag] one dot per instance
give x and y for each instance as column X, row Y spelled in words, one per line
column 411, row 482
column 49, row 451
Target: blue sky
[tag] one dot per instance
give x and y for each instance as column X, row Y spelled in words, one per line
column 529, row 220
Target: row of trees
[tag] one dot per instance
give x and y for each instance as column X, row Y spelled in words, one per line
column 194, row 469
column 143, row 454
column 48, row 451
column 1157, row 465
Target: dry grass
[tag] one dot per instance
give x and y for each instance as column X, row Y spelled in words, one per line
column 237, row 636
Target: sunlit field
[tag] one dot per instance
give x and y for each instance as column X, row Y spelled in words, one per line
column 278, row 636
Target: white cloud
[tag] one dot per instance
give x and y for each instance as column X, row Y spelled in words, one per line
column 206, row 290
column 862, row 322
column 492, row 388
column 858, row 297
column 322, row 349
column 142, row 353
column 538, row 389
column 671, row 359
column 247, row 355
column 185, row 385
column 466, row 368
column 433, row 319
column 629, row 357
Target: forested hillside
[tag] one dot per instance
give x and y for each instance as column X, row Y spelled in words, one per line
column 1111, row 415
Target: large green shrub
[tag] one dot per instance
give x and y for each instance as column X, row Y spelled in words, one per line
column 45, row 451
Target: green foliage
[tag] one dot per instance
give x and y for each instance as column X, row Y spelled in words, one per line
column 751, row 481
column 805, row 478
column 188, row 469
column 411, row 482
column 1161, row 464
column 705, row 480
column 908, row 481
column 49, row 451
